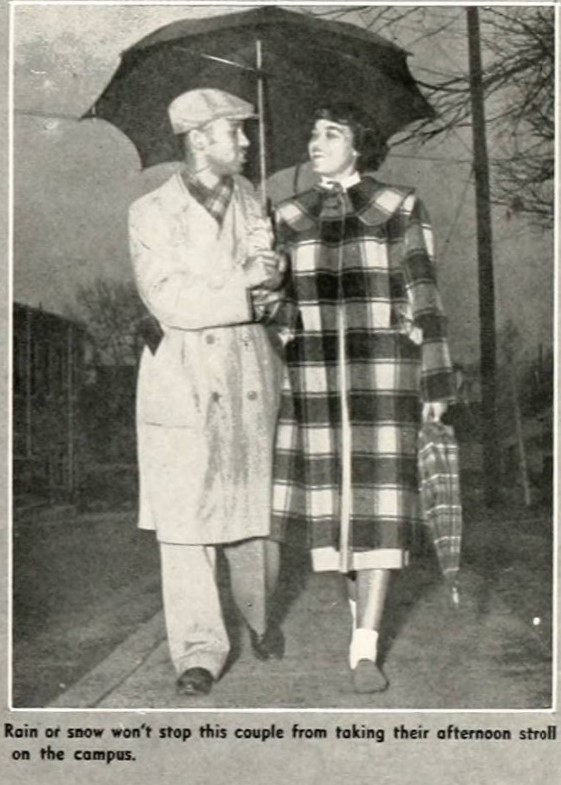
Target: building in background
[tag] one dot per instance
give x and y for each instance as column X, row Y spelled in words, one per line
column 51, row 357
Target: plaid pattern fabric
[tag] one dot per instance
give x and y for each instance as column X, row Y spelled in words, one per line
column 361, row 259
column 215, row 200
column 440, row 493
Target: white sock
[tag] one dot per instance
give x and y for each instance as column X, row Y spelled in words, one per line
column 364, row 646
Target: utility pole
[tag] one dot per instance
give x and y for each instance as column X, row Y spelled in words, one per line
column 487, row 331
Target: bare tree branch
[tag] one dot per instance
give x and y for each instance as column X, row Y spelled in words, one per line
column 519, row 87
column 111, row 311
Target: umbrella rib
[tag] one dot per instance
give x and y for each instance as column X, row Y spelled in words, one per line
column 222, row 60
column 259, row 72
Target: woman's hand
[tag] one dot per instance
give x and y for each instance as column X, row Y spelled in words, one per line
column 434, row 411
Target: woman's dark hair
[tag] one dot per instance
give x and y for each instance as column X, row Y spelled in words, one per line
column 367, row 138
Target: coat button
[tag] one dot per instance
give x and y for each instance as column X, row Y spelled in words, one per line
column 210, row 339
column 215, row 396
column 252, row 395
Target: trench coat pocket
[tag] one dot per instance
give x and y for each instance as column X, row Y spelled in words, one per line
column 167, row 393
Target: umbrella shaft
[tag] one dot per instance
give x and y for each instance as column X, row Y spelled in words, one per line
column 261, row 114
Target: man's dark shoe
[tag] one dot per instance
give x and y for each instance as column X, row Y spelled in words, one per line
column 194, row 681
column 269, row 644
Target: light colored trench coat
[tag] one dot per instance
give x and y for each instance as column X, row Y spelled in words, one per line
column 207, row 400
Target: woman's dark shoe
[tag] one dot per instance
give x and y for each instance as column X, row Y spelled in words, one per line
column 268, row 644
column 194, row 681
column 367, row 678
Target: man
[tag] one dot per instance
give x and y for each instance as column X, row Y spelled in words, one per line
column 208, row 397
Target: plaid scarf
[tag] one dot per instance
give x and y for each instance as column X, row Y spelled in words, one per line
column 215, row 200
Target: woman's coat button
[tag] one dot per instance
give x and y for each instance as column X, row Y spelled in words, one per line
column 252, row 395
column 210, row 339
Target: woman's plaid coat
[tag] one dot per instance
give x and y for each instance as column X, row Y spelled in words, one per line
column 366, row 343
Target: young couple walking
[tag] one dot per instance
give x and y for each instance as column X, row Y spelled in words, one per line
column 238, row 439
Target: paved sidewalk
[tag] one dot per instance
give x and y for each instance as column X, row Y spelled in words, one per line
column 478, row 657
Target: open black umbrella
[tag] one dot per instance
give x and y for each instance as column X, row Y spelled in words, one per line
column 284, row 62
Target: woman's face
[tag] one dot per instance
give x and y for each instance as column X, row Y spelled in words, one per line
column 331, row 149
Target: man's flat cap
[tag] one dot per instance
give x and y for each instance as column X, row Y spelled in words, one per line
column 199, row 107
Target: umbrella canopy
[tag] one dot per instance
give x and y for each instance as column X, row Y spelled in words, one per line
column 284, row 62
column 441, row 507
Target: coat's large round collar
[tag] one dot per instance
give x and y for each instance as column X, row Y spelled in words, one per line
column 369, row 200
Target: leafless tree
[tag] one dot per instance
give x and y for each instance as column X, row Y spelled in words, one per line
column 518, row 82
column 519, row 85
column 112, row 311
column 524, row 46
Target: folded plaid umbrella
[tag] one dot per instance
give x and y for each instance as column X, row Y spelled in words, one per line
column 438, row 458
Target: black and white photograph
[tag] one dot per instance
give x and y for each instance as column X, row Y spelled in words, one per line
column 282, row 366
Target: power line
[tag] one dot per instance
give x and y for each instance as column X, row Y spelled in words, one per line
column 434, row 158
column 457, row 213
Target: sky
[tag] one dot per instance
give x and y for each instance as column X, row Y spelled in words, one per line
column 74, row 180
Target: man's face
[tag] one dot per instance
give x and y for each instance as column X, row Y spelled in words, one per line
column 226, row 145
column 331, row 149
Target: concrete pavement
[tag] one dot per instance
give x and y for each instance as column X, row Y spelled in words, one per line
column 480, row 656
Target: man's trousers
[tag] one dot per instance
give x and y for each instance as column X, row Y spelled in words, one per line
column 195, row 626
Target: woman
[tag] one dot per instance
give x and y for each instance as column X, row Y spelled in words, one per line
column 365, row 344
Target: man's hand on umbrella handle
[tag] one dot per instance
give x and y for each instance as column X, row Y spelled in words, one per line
column 434, row 411
column 263, row 271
